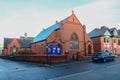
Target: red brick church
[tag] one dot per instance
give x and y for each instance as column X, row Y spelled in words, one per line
column 68, row 34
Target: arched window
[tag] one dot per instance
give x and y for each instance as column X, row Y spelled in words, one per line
column 11, row 49
column 118, row 42
column 74, row 42
column 15, row 49
column 89, row 50
column 42, row 48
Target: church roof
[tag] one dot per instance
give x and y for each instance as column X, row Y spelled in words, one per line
column 43, row 35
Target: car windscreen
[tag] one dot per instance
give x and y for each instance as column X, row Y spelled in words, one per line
column 105, row 53
column 97, row 54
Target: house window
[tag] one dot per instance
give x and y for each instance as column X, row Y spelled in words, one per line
column 74, row 42
column 118, row 42
column 106, row 39
column 42, row 48
column 114, row 40
column 115, row 51
column 107, row 49
column 37, row 46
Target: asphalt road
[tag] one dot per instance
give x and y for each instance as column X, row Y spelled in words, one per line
column 76, row 70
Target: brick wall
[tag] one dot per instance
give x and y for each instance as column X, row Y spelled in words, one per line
column 97, row 44
column 41, row 59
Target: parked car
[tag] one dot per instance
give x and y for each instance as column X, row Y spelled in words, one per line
column 103, row 57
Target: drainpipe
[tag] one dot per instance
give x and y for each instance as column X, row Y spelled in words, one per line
column 84, row 30
column 46, row 51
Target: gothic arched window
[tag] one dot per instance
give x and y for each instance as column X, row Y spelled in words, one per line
column 15, row 49
column 74, row 42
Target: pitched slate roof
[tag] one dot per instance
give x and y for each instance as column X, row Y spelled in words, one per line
column 113, row 33
column 25, row 43
column 7, row 41
column 46, row 33
column 119, row 33
column 97, row 32
column 101, row 32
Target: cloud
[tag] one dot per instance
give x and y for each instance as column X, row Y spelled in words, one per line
column 16, row 20
column 97, row 14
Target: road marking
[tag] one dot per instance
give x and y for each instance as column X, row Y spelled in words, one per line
column 71, row 75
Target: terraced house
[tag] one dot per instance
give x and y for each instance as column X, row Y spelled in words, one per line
column 119, row 40
column 105, row 39
column 67, row 36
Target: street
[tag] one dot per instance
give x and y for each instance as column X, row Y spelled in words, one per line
column 76, row 70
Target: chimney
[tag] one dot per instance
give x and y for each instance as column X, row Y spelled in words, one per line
column 43, row 29
column 25, row 35
column 104, row 27
column 56, row 22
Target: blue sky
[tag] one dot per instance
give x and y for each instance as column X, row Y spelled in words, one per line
column 31, row 16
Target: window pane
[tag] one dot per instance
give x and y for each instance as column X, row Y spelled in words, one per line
column 74, row 44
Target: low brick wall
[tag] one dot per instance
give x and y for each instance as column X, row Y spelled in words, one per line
column 46, row 59
column 82, row 57
column 41, row 59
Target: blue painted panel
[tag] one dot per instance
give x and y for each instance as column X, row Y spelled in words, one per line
column 53, row 50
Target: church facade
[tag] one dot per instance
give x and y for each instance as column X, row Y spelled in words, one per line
column 68, row 34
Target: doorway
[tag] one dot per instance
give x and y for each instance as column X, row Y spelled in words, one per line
column 89, row 50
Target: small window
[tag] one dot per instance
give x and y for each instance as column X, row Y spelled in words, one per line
column 42, row 47
column 106, row 39
column 118, row 42
column 114, row 40
column 74, row 44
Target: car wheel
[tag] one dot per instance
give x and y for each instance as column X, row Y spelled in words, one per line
column 94, row 60
column 113, row 59
column 104, row 60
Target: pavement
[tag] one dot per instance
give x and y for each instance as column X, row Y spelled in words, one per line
column 107, row 73
column 75, row 70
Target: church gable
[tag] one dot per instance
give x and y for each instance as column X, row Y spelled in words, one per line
column 73, row 19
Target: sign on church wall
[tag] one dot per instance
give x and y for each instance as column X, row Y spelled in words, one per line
column 53, row 50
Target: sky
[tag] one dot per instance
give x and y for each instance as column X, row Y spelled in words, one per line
column 31, row 16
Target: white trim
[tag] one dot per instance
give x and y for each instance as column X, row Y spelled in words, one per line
column 107, row 33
